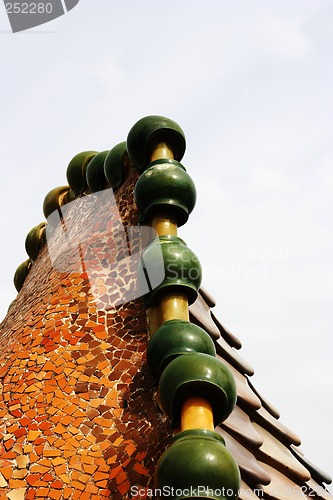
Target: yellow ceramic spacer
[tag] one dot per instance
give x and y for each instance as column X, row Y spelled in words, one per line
column 161, row 151
column 170, row 306
column 164, row 225
column 174, row 306
column 197, row 413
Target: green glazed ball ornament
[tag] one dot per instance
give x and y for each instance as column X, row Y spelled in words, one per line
column 197, row 375
column 55, row 199
column 67, row 198
column 198, row 465
column 21, row 273
column 35, row 240
column 182, row 269
column 165, row 185
column 150, row 131
column 116, row 164
column 173, row 338
column 76, row 171
column 95, row 176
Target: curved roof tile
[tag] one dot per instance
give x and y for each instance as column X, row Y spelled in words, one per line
column 275, row 452
column 200, row 314
column 317, row 474
column 318, row 490
column 272, row 424
column 226, row 334
column 245, row 460
column 281, row 487
column 266, row 404
column 233, row 357
column 240, row 424
column 244, row 393
column 247, row 493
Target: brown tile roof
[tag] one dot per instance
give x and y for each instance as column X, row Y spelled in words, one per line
column 266, row 451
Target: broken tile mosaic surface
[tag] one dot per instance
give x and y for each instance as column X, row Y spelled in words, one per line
column 77, row 409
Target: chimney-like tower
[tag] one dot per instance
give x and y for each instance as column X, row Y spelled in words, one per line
column 116, row 379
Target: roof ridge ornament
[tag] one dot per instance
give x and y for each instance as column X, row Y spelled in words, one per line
column 195, row 388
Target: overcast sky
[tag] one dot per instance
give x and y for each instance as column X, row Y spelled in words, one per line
column 250, row 82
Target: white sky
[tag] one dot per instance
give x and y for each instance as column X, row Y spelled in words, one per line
column 251, row 85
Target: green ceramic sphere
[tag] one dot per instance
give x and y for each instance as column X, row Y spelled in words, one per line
column 182, row 269
column 35, row 240
column 95, row 176
column 67, row 198
column 197, row 375
column 115, row 165
column 147, row 133
column 21, row 273
column 51, row 200
column 198, row 465
column 76, row 171
column 173, row 338
column 165, row 185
